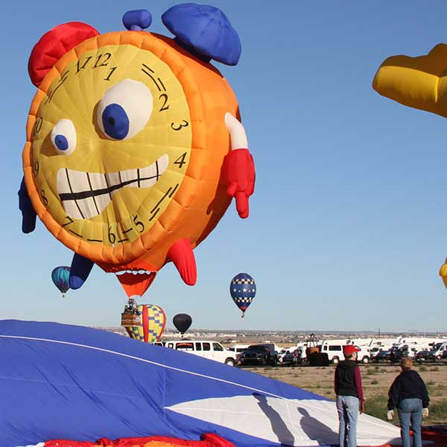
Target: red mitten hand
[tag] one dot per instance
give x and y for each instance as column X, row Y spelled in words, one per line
column 239, row 176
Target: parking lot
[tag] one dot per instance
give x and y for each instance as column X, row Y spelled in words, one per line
column 331, row 352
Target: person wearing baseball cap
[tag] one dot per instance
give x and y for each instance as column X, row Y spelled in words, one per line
column 349, row 392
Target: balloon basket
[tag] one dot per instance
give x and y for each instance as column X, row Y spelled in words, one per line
column 63, row 295
column 129, row 319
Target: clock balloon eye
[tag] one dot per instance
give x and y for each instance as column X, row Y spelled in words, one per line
column 63, row 137
column 115, row 122
column 124, row 109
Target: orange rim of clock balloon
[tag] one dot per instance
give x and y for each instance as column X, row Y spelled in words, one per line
column 190, row 72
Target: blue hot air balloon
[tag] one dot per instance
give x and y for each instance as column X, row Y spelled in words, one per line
column 243, row 291
column 61, row 278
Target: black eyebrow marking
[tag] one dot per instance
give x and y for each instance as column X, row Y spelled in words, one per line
column 148, row 73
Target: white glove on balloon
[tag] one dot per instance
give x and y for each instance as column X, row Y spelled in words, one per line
column 390, row 415
column 425, row 412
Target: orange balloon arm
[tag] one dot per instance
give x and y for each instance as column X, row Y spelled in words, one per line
column 79, row 271
column 25, row 206
column 239, row 176
column 182, row 256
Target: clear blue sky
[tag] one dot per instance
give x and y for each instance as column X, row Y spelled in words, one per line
column 348, row 223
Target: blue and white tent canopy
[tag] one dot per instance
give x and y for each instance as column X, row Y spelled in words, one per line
column 69, row 382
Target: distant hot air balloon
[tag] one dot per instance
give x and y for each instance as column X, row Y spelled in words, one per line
column 243, row 291
column 61, row 278
column 182, row 322
column 146, row 323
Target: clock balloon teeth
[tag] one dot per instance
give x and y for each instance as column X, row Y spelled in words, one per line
column 135, row 282
column 85, row 194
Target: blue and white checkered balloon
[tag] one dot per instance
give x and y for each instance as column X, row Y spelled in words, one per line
column 243, row 290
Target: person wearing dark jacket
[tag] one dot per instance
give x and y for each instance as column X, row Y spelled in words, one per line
column 409, row 394
column 349, row 392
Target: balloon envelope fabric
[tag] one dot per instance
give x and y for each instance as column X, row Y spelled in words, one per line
column 127, row 137
column 243, row 290
column 182, row 322
column 70, row 382
column 152, row 324
column 61, row 278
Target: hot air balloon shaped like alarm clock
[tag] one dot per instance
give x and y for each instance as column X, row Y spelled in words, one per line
column 135, row 147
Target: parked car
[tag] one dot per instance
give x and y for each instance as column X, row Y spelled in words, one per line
column 316, row 358
column 396, row 355
column 364, row 355
column 238, row 348
column 262, row 354
column 374, row 352
column 382, row 356
column 288, row 357
column 334, row 352
column 209, row 349
column 423, row 356
column 438, row 350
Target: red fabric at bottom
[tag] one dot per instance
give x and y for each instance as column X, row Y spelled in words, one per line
column 208, row 440
column 437, row 437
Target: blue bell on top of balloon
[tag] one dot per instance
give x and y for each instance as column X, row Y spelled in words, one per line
column 243, row 291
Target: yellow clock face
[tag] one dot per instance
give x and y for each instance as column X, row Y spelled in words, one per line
column 111, row 143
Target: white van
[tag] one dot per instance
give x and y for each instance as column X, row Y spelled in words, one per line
column 209, row 349
column 334, row 352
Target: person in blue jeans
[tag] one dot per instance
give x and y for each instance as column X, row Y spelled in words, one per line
column 409, row 394
column 350, row 400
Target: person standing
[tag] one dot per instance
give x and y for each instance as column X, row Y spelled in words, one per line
column 409, row 394
column 349, row 392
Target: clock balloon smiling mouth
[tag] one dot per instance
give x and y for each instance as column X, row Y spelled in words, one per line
column 85, row 195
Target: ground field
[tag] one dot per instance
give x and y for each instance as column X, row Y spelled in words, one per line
column 376, row 381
